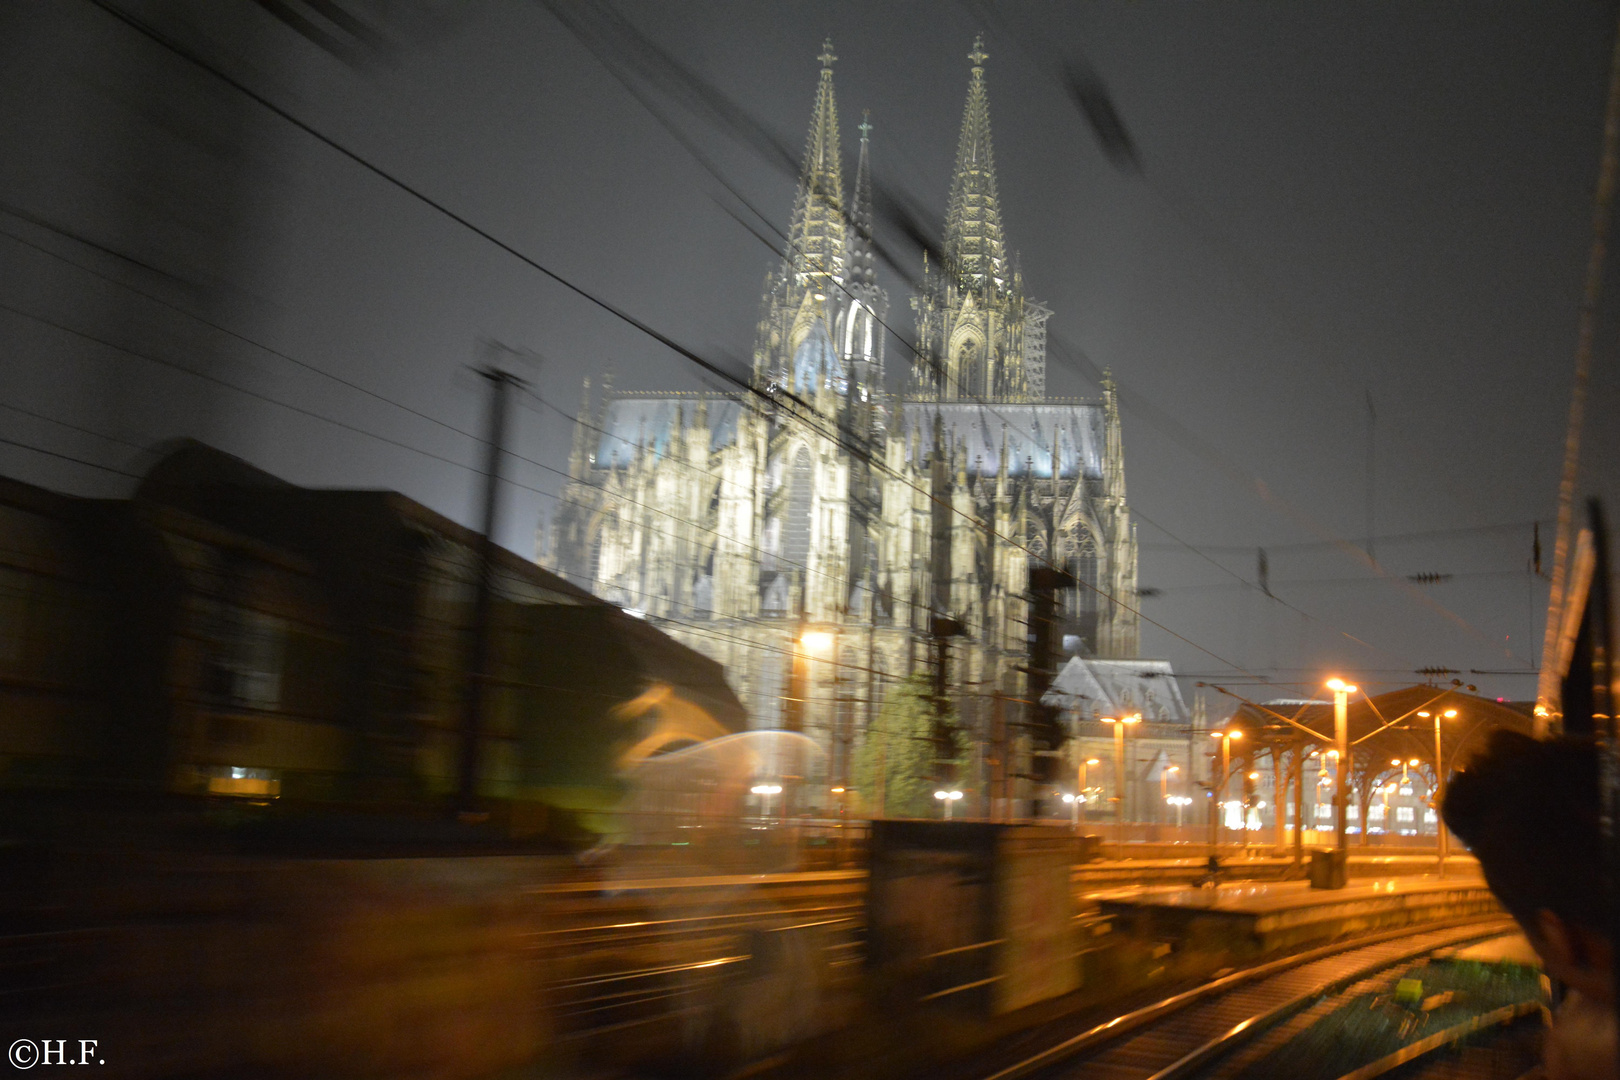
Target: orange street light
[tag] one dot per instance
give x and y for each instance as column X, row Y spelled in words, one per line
column 1341, row 737
column 1218, row 797
column 1119, row 723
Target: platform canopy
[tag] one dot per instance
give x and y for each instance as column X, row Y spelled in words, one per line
column 1383, row 726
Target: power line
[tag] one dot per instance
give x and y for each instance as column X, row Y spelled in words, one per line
column 708, row 165
column 1322, row 545
column 228, row 385
column 211, row 324
column 67, row 457
column 745, row 386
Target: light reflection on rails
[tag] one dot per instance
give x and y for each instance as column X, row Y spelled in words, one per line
column 1183, row 1035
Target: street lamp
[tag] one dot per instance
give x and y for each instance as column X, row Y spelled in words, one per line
column 1341, row 737
column 765, row 791
column 1119, row 760
column 949, row 799
column 1164, row 780
column 1437, row 797
column 1085, row 773
column 1218, row 796
column 816, row 641
column 1074, row 802
column 1178, row 801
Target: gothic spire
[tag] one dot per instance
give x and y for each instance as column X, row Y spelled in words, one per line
column 816, row 240
column 975, row 247
column 861, row 270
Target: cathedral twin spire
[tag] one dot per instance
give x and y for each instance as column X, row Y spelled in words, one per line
column 817, row 239
column 975, row 248
column 824, row 234
column 971, row 312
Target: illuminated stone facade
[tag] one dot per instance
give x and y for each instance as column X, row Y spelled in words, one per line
column 804, row 537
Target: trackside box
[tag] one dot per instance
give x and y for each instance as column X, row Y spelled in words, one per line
column 975, row 914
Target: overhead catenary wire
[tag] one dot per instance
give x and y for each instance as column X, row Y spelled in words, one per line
column 575, row 26
column 786, row 402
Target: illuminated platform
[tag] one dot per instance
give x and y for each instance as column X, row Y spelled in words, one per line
column 1268, row 917
column 1507, row 949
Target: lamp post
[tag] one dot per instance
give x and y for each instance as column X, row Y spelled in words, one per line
column 1341, row 739
column 949, row 799
column 1085, row 773
column 1164, row 780
column 1074, row 802
column 820, row 645
column 1119, row 761
column 1438, row 796
column 765, row 791
column 1178, row 801
column 1218, row 796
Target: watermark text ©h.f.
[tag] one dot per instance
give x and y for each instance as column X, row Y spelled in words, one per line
column 26, row 1053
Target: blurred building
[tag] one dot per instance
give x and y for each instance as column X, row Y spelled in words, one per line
column 807, row 545
column 1161, row 749
column 226, row 633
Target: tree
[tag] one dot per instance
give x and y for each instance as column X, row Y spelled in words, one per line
column 897, row 766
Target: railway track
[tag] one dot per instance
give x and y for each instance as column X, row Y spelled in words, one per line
column 635, row 953
column 1204, row 1032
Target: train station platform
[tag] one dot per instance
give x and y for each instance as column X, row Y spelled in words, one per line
column 1267, row 917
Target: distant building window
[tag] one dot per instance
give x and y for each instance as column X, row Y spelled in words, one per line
column 251, row 649
column 1404, row 813
column 1324, row 812
column 1353, row 813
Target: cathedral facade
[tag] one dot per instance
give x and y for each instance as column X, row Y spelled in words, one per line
column 814, row 538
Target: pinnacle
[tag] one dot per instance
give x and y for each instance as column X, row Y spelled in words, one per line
column 816, row 242
column 975, row 246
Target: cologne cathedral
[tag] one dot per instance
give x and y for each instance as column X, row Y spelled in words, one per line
column 815, row 537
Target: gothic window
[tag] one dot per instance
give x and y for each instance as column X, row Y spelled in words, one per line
column 767, row 700
column 970, row 370
column 796, row 518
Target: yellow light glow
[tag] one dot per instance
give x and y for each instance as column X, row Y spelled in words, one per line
column 1108, row 719
column 1092, row 761
column 1423, row 713
column 1133, row 719
column 837, row 791
column 1173, row 768
column 1414, row 761
column 1237, row 734
column 1394, row 761
column 1254, row 776
column 816, row 641
column 1450, row 713
column 1337, row 685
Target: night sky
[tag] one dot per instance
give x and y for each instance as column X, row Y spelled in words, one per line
column 1333, row 201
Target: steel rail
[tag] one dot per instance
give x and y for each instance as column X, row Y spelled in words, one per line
column 1262, row 1022
column 1111, row 1031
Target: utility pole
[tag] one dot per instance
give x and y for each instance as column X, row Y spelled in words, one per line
column 478, row 654
column 1045, row 643
column 940, row 631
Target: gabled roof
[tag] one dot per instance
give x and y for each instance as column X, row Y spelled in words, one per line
column 1115, row 687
